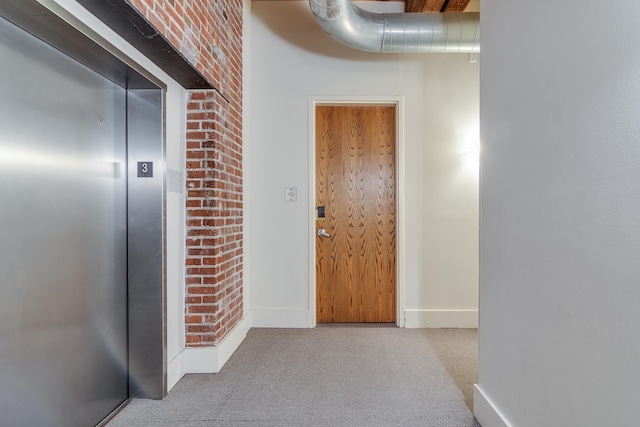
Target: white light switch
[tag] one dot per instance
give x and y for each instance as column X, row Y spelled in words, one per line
column 290, row 194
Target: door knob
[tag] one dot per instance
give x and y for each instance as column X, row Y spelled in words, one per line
column 323, row 233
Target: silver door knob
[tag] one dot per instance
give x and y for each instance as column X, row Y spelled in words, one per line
column 323, row 233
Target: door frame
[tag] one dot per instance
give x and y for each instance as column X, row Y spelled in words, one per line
column 398, row 102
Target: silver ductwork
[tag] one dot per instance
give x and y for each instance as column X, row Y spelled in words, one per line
column 398, row 32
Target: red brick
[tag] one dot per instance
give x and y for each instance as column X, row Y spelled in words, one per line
column 200, row 309
column 201, row 290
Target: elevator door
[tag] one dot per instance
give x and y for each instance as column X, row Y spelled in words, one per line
column 63, row 272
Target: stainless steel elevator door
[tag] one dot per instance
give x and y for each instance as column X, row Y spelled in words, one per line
column 63, row 265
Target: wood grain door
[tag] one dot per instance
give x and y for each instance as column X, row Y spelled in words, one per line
column 356, row 185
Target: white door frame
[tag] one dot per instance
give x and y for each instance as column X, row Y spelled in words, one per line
column 398, row 102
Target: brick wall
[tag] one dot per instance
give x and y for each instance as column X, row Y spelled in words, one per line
column 209, row 35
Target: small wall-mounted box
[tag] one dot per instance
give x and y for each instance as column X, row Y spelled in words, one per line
column 291, row 194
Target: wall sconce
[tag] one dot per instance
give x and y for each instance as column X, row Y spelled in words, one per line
column 471, row 151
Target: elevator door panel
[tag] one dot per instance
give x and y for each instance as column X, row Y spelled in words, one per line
column 63, row 272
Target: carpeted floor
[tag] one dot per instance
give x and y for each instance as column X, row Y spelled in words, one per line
column 327, row 376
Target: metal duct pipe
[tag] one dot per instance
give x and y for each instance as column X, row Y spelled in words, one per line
column 398, row 32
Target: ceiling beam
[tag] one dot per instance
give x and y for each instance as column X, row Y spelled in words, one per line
column 455, row 6
column 423, row 5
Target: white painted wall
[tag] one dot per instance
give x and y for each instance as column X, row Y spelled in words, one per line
column 293, row 60
column 560, row 217
column 175, row 157
column 246, row 150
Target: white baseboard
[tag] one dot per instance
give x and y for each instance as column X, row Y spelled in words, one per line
column 487, row 414
column 203, row 360
column 441, row 318
column 175, row 370
column 269, row 318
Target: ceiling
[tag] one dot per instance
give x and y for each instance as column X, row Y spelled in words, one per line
column 440, row 5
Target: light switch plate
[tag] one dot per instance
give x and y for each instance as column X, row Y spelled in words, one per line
column 291, row 194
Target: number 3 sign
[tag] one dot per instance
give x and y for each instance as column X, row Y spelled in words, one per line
column 145, row 169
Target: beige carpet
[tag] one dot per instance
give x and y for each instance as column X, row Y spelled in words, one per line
column 457, row 349
column 327, row 376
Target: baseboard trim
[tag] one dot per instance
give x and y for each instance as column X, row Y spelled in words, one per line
column 268, row 318
column 205, row 360
column 441, row 318
column 175, row 370
column 487, row 414
column 231, row 342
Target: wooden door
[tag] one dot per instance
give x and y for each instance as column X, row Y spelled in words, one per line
column 356, row 185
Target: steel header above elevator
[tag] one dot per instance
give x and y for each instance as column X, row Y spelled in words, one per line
column 398, row 32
